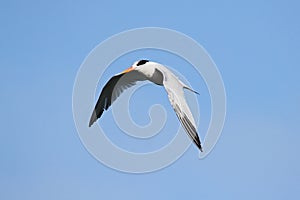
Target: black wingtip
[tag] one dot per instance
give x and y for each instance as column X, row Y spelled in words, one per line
column 198, row 143
column 200, row 147
column 93, row 118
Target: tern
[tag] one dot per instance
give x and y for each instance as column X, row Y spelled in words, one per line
column 143, row 70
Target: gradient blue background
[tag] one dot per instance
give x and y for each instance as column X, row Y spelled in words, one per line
column 256, row 47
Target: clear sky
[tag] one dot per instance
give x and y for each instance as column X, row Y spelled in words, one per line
column 255, row 45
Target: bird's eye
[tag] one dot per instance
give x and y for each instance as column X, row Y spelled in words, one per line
column 141, row 62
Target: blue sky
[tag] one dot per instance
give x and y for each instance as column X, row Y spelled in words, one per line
column 255, row 46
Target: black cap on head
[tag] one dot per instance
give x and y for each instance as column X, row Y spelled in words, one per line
column 141, row 62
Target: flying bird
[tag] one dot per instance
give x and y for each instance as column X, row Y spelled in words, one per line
column 143, row 70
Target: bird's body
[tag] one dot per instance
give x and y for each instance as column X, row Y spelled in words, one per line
column 145, row 70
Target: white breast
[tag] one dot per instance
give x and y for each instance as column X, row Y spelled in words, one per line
column 152, row 72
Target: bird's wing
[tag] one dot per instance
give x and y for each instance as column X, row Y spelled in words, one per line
column 174, row 88
column 112, row 90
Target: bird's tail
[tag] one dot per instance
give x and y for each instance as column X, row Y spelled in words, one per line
column 188, row 88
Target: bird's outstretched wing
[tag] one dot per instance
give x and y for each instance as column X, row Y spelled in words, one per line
column 112, row 90
column 174, row 88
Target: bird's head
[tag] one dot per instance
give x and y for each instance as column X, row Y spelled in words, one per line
column 140, row 63
column 136, row 65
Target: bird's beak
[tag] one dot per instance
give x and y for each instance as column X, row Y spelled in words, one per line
column 127, row 70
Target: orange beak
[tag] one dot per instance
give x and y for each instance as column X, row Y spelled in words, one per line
column 127, row 70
